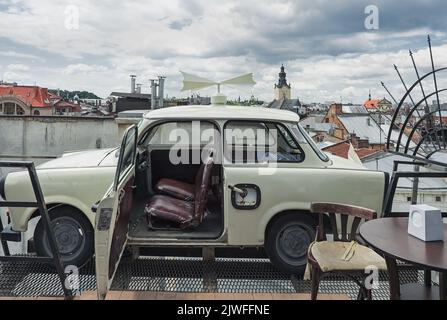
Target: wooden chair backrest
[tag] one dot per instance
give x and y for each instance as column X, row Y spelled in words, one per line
column 345, row 211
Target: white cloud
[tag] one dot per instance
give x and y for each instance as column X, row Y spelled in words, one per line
column 84, row 69
column 326, row 51
column 19, row 55
column 17, row 67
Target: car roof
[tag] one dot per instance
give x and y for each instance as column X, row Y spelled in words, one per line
column 222, row 112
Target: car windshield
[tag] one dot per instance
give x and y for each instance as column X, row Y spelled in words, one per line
column 303, row 137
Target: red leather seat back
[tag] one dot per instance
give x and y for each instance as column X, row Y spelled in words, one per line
column 202, row 187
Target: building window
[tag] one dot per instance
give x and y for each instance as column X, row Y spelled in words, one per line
column 409, row 199
column 438, row 198
column 1, row 108
column 36, row 113
column 20, row 111
column 10, row 108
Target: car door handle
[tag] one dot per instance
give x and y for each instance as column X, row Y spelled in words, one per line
column 242, row 192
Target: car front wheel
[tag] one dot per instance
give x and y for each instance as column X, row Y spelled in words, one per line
column 74, row 236
column 288, row 240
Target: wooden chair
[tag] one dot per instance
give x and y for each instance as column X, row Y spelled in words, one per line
column 327, row 258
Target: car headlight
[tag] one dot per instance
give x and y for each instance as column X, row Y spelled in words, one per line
column 2, row 187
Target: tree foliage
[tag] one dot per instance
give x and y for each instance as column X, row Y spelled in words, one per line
column 71, row 94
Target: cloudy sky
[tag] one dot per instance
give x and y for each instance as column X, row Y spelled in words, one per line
column 324, row 45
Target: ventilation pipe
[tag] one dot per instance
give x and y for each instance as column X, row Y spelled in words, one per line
column 153, row 94
column 132, row 83
column 161, row 91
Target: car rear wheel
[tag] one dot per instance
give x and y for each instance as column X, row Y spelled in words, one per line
column 288, row 240
column 74, row 236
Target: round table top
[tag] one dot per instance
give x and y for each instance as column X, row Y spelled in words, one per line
column 390, row 236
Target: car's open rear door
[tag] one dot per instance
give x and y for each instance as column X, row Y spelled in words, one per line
column 113, row 212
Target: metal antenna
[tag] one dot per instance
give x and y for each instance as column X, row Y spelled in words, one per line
column 427, row 108
column 388, row 91
column 412, row 101
column 406, row 89
column 436, row 90
column 429, row 122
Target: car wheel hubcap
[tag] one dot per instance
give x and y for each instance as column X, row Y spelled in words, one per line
column 69, row 236
column 292, row 244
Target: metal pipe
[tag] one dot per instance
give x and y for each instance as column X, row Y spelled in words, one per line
column 161, row 91
column 153, row 94
column 132, row 83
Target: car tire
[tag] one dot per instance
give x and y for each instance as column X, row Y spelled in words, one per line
column 74, row 236
column 287, row 242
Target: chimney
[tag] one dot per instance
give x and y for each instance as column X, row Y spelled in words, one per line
column 132, row 83
column 153, row 94
column 161, row 91
column 139, row 88
column 337, row 108
column 354, row 140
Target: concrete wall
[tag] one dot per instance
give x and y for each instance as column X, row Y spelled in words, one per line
column 40, row 137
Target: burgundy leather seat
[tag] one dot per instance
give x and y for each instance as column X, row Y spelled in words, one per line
column 184, row 213
column 179, row 189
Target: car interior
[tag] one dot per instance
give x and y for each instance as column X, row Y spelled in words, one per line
column 181, row 200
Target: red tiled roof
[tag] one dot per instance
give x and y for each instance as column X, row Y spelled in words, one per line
column 340, row 149
column 371, row 104
column 53, row 96
column 364, row 152
column 65, row 104
column 31, row 95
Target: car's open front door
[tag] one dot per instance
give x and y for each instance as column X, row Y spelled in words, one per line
column 113, row 213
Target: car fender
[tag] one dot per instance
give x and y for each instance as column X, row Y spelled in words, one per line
column 274, row 211
column 22, row 223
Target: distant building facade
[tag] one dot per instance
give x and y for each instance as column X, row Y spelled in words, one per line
column 123, row 101
column 354, row 124
column 378, row 105
column 24, row 100
column 63, row 107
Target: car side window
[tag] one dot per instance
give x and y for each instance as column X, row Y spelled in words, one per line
column 127, row 155
column 188, row 133
column 260, row 142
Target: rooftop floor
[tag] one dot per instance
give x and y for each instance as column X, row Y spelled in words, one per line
column 184, row 278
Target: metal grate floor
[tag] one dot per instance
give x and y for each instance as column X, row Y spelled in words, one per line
column 176, row 274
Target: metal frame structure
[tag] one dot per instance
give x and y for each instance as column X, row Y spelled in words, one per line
column 429, row 135
column 388, row 201
column 41, row 206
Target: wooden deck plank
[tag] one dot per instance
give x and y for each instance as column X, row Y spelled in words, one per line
column 153, row 295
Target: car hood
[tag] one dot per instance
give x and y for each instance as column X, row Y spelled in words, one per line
column 83, row 159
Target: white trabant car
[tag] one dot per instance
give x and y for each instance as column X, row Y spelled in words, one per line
column 194, row 176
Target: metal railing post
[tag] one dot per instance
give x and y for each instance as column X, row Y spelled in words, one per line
column 4, row 243
column 41, row 206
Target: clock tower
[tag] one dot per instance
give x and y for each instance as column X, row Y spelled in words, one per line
column 282, row 88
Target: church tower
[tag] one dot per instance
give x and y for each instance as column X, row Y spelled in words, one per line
column 282, row 88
